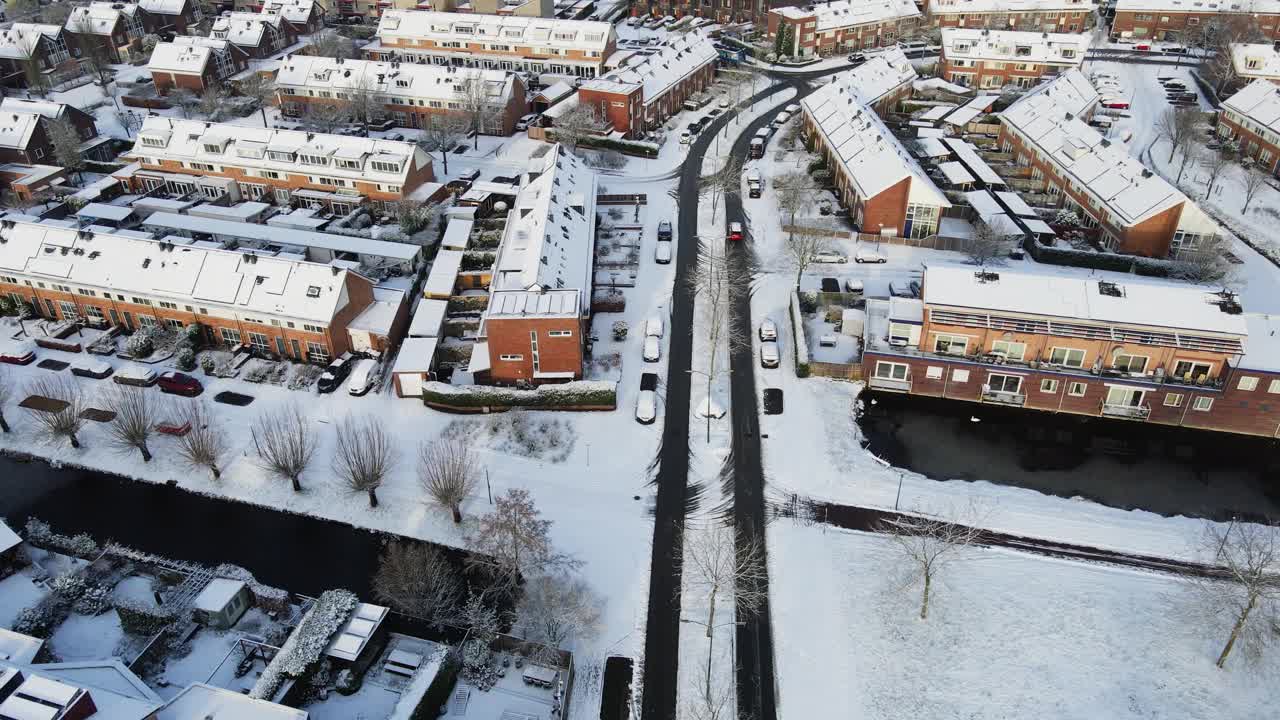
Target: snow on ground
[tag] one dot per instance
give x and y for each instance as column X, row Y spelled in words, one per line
column 1009, row 635
column 18, row 592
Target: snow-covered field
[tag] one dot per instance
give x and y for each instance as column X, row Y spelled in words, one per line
column 1008, row 636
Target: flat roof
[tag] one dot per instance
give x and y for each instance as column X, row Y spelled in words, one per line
column 217, row 594
column 283, row 236
column 428, row 319
column 199, row 701
column 416, row 354
column 444, row 273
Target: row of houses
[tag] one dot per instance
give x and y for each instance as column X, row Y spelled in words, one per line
column 983, row 58
column 1188, row 21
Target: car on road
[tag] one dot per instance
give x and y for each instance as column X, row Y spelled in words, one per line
column 647, row 400
column 364, row 377
column 769, row 354
column 333, row 375
column 905, row 289
column 755, row 183
column 694, row 127
column 869, row 256
column 773, row 401
column 21, row 354
column 713, row 112
column 735, row 231
column 89, row 368
column 830, row 257
column 768, row 330
column 653, row 327
column 652, row 348
column 662, row 253
column 723, row 104
column 857, row 58
column 664, row 230
column 853, row 286
column 176, row 383
column 137, row 375
column 686, row 137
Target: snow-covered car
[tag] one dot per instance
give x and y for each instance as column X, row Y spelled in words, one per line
column 791, row 109
column 176, row 383
column 364, row 377
column 524, row 122
column 134, row 374
column 686, row 137
column 652, row 348
column 653, row 326
column 769, row 354
column 647, row 400
column 869, row 256
column 853, row 286
column 768, row 330
column 735, row 231
column 334, row 374
column 830, row 257
column 662, row 253
column 724, row 103
column 90, row 368
column 19, row 354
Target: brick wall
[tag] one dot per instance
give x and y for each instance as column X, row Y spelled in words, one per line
column 1251, row 144
column 624, row 111
column 1063, row 21
column 1184, row 26
column 511, row 337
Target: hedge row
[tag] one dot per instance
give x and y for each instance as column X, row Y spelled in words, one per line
column 264, row 596
column 626, row 147
column 1150, row 267
column 798, row 340
column 39, row 533
column 437, row 695
column 302, row 651
column 584, row 393
column 142, row 618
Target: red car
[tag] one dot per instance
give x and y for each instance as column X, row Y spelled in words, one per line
column 177, row 383
column 735, row 231
column 18, row 355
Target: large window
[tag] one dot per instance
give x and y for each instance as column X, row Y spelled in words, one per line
column 1191, row 370
column 1011, row 384
column 1130, row 363
column 1070, row 357
column 950, row 344
column 230, row 336
column 317, row 353
column 259, row 342
column 892, row 370
column 69, row 311
column 1009, row 349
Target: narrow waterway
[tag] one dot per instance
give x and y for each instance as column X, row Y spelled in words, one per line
column 1170, row 471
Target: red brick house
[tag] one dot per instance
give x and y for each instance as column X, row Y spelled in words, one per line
column 1061, row 16
column 45, row 45
column 843, row 26
column 303, row 17
column 646, row 90
column 1187, row 21
column 994, row 58
column 260, row 35
column 1250, row 117
column 170, row 16
column 195, row 63
column 113, row 29
column 26, row 137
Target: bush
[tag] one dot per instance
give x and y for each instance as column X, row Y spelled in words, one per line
column 140, row 344
column 626, row 147
column 271, row 599
column 95, row 601
column 1101, row 261
column 808, row 302
column 437, row 695
column 186, row 359
column 468, row 303
column 39, row 533
column 573, row 394
column 472, row 261
column 193, row 336
column 41, row 619
column 302, row 651
column 802, row 370
column 69, row 586
column 348, row 683
column 142, row 619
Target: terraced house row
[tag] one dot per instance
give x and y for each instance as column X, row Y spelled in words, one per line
column 1189, row 21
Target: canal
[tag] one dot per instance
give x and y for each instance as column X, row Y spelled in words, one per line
column 1170, row 471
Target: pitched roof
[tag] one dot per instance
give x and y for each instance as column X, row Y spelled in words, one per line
column 186, row 54
column 294, row 11
column 544, row 32
column 408, row 80
column 16, row 129
column 944, row 7
column 1255, row 60
column 245, row 28
column 1202, row 6
column 851, row 13
column 21, row 39
column 1260, row 102
column 99, row 18
column 1015, row 46
column 886, row 72
column 163, row 7
column 659, row 72
column 199, row 701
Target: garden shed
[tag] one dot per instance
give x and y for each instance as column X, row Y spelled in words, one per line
column 221, row 603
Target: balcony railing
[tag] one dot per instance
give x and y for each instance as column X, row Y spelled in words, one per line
column 1130, row 412
column 1003, row 397
column 892, row 384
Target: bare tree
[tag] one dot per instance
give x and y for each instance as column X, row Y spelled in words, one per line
column 1205, row 263
column 560, row 607
column 721, row 563
column 803, row 247
column 364, row 456
column 477, row 98
column 794, row 192
column 1247, row 594
column 448, row 472
column 707, row 702
column 211, row 102
column 260, row 89
column 417, row 579
column 443, row 134
column 1254, row 180
column 284, row 443
column 205, row 444
column 66, row 146
column 64, row 421
column 1214, row 163
column 576, row 124
column 6, row 394
column 327, row 117
column 135, row 417
column 727, row 180
column 928, row 545
column 513, row 539
column 365, row 105
column 1177, row 125
column 986, row 246
column 185, row 99
column 329, row 43
column 33, row 74
column 716, row 283
column 1186, row 146
column 96, row 57
column 1218, row 35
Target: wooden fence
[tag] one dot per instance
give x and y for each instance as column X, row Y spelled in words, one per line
column 837, row 371
column 630, row 199
column 932, row 242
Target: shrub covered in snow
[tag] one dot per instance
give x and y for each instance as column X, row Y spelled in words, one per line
column 348, row 683
column 1152, row 267
column 142, row 618
column 69, row 586
column 268, row 598
column 583, row 393
column 305, row 646
column 95, row 600
column 41, row 619
column 140, row 344
column 39, row 533
column 798, row 341
column 186, row 359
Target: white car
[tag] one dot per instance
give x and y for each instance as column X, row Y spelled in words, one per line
column 723, row 104
column 769, row 354
column 524, row 122
column 647, row 400
column 830, row 257
column 662, row 253
column 364, row 376
column 652, row 348
column 869, row 256
column 853, row 286
column 768, row 331
column 653, row 326
column 686, row 138
column 791, row 110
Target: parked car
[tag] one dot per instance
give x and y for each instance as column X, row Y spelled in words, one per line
column 723, row 104
column 334, row 374
column 695, row 127
column 364, row 376
column 828, row 340
column 664, row 230
column 781, row 119
column 394, row 136
column 899, row 288
column 525, row 121
column 647, row 400
column 755, row 183
column 652, row 348
column 686, row 137
column 769, row 354
column 830, row 257
column 768, row 330
column 773, row 401
column 653, row 327
column 735, row 231
column 791, row 109
column 869, row 256
column 853, row 286
column 90, row 368
column 20, row 354
column 662, row 253
column 829, row 284
column 138, row 375
column 857, row 58
column 176, row 383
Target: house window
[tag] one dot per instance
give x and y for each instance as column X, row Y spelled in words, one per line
column 891, row 370
column 146, row 321
column 230, row 336
column 559, row 333
column 95, row 315
column 960, row 376
column 1076, row 389
column 310, row 328
column 899, row 333
column 1248, row 383
column 1173, row 400
column 1011, row 384
column 950, row 344
column 511, row 358
column 1130, row 363
column 317, row 353
column 1011, row 350
column 69, row 311
column 1191, row 370
column 259, row 342
column 933, row 372
column 1069, row 357
column 1048, row 386
column 1274, row 387
column 1202, row 404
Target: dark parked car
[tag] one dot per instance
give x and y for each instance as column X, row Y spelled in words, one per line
column 505, row 180
column 95, row 369
column 20, row 355
column 773, row 401
column 664, row 230
column 334, row 374
column 830, row 285
column 176, row 383
column 857, row 58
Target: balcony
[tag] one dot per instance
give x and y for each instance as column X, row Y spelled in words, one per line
column 1003, row 397
column 890, row 384
column 1126, row 412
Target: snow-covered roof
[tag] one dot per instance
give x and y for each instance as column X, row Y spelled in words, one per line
column 163, row 7
column 1262, row 347
column 199, row 701
column 659, row 72
column 965, row 114
column 948, row 7
column 428, row 319
column 872, row 157
column 404, row 80
column 1054, row 123
column 186, row 54
column 1256, row 60
column 1266, row 7
column 881, row 75
column 1060, row 49
column 217, row 594
column 1150, row 303
column 294, row 11
column 19, row 648
column 539, row 303
column 931, row 148
column 8, row 538
column 265, row 148
column 381, row 313
column 444, row 273
column 968, row 155
column 457, row 234
column 21, row 39
column 99, row 18
column 554, row 93
column 416, row 354
column 245, row 28
column 16, row 129
column 241, row 212
column 850, row 13
column 43, row 108
column 352, row 638
column 549, row 239
column 1259, row 101
column 955, row 173
column 237, row 281
column 403, row 252
column 576, row 35
column 117, row 693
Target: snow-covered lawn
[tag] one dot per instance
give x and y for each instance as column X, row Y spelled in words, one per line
column 1008, row 636
column 18, row 592
column 82, row 638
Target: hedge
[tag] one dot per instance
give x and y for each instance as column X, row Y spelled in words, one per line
column 626, row 147
column 142, row 619
column 264, row 596
column 437, row 695
column 39, row 533
column 583, row 393
column 304, row 648
column 1150, row 267
column 798, row 340
column 468, row 303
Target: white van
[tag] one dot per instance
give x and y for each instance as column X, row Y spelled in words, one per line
column 364, row 376
column 662, row 253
